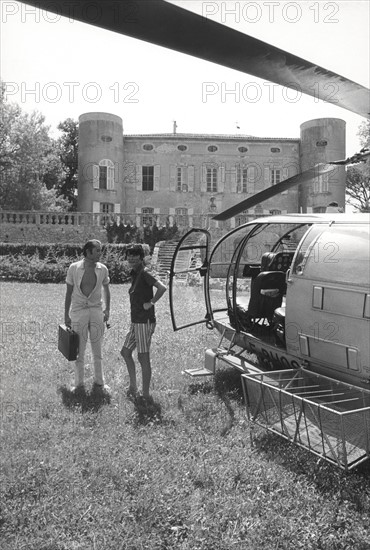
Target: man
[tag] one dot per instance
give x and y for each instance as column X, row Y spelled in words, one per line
column 142, row 319
column 86, row 279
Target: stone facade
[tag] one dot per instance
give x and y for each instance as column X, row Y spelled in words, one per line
column 187, row 176
column 183, row 179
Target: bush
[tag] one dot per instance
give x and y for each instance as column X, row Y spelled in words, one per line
column 41, row 250
column 33, row 269
column 49, row 263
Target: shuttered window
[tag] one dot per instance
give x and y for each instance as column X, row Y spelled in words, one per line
column 148, row 178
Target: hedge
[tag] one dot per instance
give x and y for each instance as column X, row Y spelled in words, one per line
column 57, row 250
column 49, row 263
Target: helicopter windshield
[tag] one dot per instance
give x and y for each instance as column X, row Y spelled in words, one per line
column 242, row 254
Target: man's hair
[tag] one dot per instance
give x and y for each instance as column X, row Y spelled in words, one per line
column 93, row 243
column 135, row 250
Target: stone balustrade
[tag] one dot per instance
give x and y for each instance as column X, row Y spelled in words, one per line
column 89, row 219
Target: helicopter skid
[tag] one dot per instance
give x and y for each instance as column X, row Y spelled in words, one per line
column 321, row 414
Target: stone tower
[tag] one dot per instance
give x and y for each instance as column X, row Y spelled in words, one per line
column 322, row 140
column 100, row 163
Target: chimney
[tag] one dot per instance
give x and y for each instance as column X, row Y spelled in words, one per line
column 174, row 126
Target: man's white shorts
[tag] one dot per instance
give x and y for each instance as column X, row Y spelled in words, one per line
column 139, row 336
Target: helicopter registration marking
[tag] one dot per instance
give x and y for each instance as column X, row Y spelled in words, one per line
column 270, row 354
column 266, row 353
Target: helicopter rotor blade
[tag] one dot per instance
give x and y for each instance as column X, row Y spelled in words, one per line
column 167, row 25
column 270, row 192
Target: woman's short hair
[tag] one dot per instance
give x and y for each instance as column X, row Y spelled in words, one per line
column 135, row 250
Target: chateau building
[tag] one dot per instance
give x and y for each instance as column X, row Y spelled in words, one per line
column 186, row 176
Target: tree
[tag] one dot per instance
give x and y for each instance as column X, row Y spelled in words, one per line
column 30, row 169
column 68, row 154
column 364, row 133
column 358, row 176
column 358, row 187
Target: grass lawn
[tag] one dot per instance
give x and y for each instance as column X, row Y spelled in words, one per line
column 181, row 474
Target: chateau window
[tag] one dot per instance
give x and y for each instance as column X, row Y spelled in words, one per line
column 321, row 143
column 212, row 148
column 242, row 218
column 321, row 184
column 106, row 174
column 242, row 179
column 275, row 212
column 148, row 147
column 103, row 177
column 180, row 180
column 147, row 216
column 275, row 150
column 106, row 208
column 148, row 178
column 181, row 215
column 275, row 176
column 258, row 210
column 242, row 149
column 211, row 179
column 182, row 147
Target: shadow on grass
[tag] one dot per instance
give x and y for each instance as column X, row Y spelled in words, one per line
column 227, row 383
column 147, row 411
column 227, row 386
column 202, row 387
column 88, row 401
column 329, row 479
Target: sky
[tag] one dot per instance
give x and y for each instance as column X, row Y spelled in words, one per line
column 149, row 87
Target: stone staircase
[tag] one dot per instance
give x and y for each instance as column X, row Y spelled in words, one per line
column 162, row 258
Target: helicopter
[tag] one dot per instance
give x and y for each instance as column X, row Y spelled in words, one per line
column 291, row 290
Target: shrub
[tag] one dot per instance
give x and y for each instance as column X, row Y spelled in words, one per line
column 49, row 263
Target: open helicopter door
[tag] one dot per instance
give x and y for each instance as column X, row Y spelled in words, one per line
column 188, row 282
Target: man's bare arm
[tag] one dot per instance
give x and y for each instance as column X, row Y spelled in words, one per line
column 106, row 311
column 67, row 304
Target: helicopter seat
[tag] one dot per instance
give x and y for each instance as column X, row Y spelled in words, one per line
column 267, row 260
column 267, row 291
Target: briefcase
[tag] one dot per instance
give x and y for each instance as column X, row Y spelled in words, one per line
column 68, row 342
